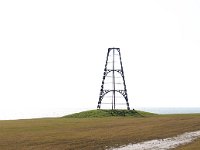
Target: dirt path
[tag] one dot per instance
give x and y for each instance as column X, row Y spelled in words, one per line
column 163, row 144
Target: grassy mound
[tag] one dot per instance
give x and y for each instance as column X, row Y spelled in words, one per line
column 109, row 113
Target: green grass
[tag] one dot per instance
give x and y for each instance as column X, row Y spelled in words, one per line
column 109, row 113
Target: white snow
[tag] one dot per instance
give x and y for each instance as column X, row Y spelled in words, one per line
column 162, row 144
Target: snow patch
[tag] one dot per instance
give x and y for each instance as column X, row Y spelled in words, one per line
column 162, row 144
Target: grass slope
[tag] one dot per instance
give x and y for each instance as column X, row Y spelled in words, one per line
column 93, row 133
column 109, row 113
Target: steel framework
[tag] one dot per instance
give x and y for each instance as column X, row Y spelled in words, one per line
column 114, row 55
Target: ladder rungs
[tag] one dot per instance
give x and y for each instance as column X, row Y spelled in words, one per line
column 112, row 97
column 111, row 82
column 115, row 103
column 112, row 61
column 115, row 77
column 112, row 55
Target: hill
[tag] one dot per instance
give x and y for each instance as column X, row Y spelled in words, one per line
column 109, row 113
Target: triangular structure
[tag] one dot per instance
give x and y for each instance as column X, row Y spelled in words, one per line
column 113, row 83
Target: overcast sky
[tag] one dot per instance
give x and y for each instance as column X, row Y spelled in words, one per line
column 52, row 53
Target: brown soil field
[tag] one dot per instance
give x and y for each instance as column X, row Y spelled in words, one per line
column 93, row 133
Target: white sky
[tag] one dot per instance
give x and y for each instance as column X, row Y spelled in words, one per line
column 52, row 53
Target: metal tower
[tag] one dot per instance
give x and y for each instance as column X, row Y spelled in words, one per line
column 114, row 76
